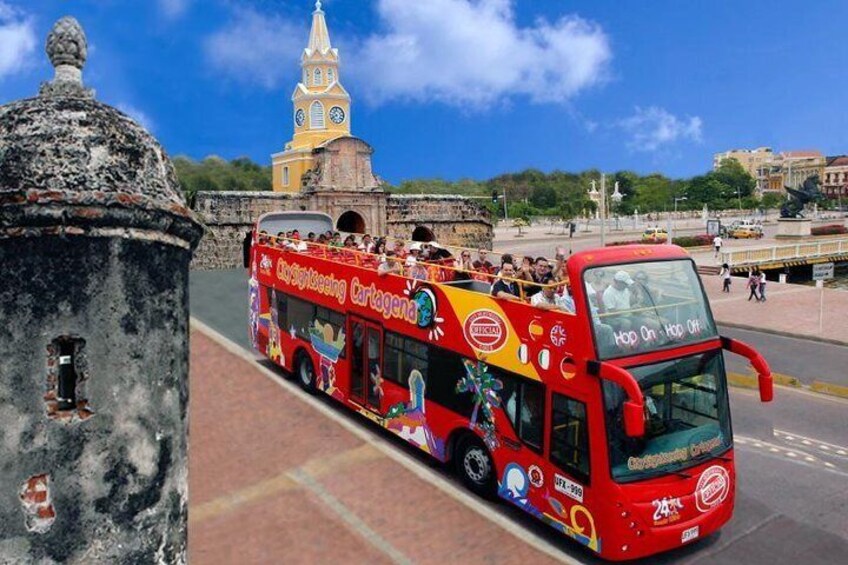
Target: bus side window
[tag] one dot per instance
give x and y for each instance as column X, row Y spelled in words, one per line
column 402, row 355
column 524, row 405
column 282, row 310
column 446, row 368
column 570, row 437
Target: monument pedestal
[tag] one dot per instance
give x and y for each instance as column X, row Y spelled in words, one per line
column 790, row 228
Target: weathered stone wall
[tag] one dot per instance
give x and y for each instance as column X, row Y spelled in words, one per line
column 454, row 220
column 106, row 482
column 227, row 216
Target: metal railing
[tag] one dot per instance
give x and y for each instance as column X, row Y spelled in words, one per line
column 790, row 252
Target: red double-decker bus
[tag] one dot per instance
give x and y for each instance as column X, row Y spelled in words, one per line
column 610, row 423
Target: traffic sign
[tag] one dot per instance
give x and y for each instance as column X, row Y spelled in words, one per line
column 822, row 271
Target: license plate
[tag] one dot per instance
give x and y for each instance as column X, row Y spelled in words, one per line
column 690, row 534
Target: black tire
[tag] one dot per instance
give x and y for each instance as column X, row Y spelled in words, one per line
column 305, row 371
column 475, row 466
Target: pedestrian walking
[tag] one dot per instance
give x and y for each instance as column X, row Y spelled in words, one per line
column 761, row 284
column 725, row 275
column 717, row 243
column 753, row 284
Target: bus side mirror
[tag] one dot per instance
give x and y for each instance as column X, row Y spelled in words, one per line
column 634, row 419
column 764, row 380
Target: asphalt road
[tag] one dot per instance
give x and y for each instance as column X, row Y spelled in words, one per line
column 791, row 454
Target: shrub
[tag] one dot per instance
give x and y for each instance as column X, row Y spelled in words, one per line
column 683, row 241
column 831, row 229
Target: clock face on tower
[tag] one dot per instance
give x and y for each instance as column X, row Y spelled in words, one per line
column 337, row 115
column 299, row 118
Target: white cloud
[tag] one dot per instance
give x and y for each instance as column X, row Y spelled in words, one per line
column 464, row 52
column 142, row 118
column 259, row 49
column 654, row 128
column 17, row 39
column 173, row 9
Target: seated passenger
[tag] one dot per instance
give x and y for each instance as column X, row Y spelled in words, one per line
column 548, row 299
column 541, row 270
column 414, row 254
column 525, row 272
column 463, row 267
column 558, row 271
column 367, row 245
column 505, row 287
column 399, row 249
column 616, row 299
column 482, row 264
column 389, row 265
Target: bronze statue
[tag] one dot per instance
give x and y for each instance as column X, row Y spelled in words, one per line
column 809, row 192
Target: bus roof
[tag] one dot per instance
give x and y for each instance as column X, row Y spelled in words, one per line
column 276, row 222
column 619, row 254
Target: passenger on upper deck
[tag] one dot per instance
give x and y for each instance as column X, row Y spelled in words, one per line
column 389, row 265
column 541, row 270
column 398, row 248
column 617, row 300
column 525, row 272
column 558, row 271
column 482, row 264
column 367, row 245
column 463, row 266
column 503, row 288
column 414, row 254
column 548, row 299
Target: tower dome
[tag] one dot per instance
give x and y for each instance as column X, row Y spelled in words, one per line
column 92, row 165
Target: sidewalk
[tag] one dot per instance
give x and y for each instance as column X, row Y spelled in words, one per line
column 791, row 309
column 275, row 477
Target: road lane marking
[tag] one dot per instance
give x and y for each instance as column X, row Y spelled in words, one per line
column 829, row 449
column 788, row 455
column 417, row 468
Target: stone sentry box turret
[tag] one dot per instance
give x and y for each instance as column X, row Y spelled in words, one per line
column 95, row 244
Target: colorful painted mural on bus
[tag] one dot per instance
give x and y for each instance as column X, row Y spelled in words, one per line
column 576, row 522
column 409, row 420
column 484, row 392
column 253, row 308
column 329, row 349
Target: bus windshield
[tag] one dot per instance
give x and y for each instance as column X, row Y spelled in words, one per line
column 687, row 417
column 641, row 307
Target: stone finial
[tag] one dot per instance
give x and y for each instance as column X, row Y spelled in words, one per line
column 66, row 44
column 68, row 49
column 317, row 5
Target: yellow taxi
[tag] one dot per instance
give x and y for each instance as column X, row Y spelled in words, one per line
column 745, row 232
column 654, row 235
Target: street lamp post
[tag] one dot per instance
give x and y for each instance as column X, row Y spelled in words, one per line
column 603, row 205
column 671, row 232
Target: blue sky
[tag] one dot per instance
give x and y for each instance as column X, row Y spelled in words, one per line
column 466, row 88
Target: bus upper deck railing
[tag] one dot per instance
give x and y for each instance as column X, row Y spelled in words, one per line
column 438, row 271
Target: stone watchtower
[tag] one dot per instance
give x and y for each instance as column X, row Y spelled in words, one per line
column 95, row 244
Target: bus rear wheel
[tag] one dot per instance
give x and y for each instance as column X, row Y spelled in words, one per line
column 475, row 466
column 305, row 373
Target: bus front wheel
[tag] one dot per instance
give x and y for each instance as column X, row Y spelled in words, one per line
column 475, row 466
column 306, row 373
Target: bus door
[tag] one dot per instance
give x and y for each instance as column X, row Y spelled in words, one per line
column 366, row 363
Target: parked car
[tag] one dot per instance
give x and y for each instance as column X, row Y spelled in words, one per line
column 654, row 235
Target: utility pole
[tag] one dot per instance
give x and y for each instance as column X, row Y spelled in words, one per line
column 506, row 214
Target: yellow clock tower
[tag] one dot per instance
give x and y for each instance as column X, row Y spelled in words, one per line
column 321, row 108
